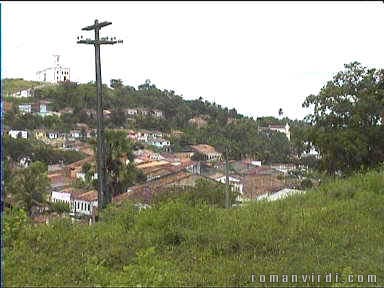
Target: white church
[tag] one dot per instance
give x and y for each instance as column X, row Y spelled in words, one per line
column 55, row 74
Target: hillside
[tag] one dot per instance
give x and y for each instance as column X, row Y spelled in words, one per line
column 337, row 228
column 219, row 125
column 11, row 86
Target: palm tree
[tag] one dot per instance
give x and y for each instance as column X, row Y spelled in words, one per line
column 121, row 172
column 29, row 186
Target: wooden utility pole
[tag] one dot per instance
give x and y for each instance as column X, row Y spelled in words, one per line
column 227, row 200
column 101, row 165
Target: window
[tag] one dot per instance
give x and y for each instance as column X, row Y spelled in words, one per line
column 82, row 206
column 89, row 207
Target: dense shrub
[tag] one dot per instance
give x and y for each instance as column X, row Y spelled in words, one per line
column 335, row 228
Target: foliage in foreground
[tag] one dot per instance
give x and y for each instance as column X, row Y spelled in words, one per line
column 347, row 123
column 338, row 227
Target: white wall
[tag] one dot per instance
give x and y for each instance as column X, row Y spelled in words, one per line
column 26, row 108
column 15, row 133
column 61, row 197
column 83, row 207
column 235, row 185
column 54, row 74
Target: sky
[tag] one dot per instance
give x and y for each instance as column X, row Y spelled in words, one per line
column 256, row 57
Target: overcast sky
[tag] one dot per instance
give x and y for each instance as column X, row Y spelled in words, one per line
column 253, row 56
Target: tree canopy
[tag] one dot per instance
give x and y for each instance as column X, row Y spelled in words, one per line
column 28, row 187
column 347, row 121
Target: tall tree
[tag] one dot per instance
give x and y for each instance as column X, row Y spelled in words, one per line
column 116, row 83
column 347, row 120
column 29, row 186
column 121, row 172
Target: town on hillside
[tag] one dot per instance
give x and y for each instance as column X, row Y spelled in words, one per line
column 267, row 171
column 157, row 153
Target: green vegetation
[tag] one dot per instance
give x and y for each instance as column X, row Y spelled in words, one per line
column 222, row 123
column 15, row 149
column 120, row 168
column 14, row 85
column 31, row 122
column 205, row 191
column 347, row 123
column 28, row 187
column 59, row 207
column 335, row 228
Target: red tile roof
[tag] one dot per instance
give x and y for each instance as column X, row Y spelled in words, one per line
column 145, row 191
column 80, row 163
column 87, row 196
column 204, row 148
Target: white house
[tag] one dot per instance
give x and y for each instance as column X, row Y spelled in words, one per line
column 23, row 93
column 80, row 204
column 312, row 151
column 234, row 182
column 283, row 167
column 53, row 135
column 84, row 204
column 280, row 194
column 54, row 74
column 142, row 136
column 25, row 161
column 282, row 129
column 159, row 142
column 256, row 163
column 157, row 113
column 76, row 134
column 155, row 134
column 209, row 153
column 81, row 175
column 25, row 108
column 130, row 111
column 61, row 197
column 18, row 134
column 146, row 136
column 143, row 111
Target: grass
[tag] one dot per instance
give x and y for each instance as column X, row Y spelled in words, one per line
column 336, row 228
column 13, row 85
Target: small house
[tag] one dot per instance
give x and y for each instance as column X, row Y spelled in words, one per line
column 18, row 134
column 157, row 113
column 25, row 108
column 209, row 153
column 234, row 182
column 85, row 203
column 130, row 111
column 159, row 142
column 23, row 93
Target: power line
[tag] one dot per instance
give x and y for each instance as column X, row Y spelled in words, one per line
column 103, row 196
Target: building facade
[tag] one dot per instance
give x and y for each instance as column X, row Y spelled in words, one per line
column 55, row 74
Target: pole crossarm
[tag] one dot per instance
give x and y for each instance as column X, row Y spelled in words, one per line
column 96, row 26
column 100, row 42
